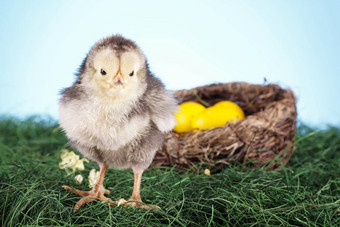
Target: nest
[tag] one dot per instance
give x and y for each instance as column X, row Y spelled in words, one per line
column 264, row 137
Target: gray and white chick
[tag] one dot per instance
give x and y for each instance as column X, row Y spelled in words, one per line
column 116, row 113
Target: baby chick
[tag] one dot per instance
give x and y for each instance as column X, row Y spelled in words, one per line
column 116, row 113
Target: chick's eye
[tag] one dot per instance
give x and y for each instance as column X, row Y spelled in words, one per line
column 131, row 74
column 102, row 72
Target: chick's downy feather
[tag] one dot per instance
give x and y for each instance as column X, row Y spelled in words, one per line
column 116, row 112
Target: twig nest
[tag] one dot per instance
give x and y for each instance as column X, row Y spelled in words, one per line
column 264, row 136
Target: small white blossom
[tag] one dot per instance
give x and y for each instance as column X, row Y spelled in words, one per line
column 93, row 178
column 70, row 160
column 207, row 172
column 79, row 178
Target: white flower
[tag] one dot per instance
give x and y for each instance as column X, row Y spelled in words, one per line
column 79, row 178
column 207, row 172
column 69, row 160
column 93, row 178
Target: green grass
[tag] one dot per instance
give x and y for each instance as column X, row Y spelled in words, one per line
column 304, row 193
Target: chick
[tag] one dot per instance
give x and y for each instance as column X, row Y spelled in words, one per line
column 116, row 113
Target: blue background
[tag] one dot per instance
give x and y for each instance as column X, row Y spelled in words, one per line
column 187, row 43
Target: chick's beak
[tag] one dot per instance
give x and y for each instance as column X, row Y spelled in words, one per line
column 116, row 81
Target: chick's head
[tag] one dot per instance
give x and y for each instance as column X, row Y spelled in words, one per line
column 115, row 68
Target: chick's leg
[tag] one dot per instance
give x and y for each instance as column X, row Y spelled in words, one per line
column 97, row 193
column 135, row 199
column 136, row 187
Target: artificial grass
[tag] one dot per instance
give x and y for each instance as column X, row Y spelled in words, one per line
column 304, row 193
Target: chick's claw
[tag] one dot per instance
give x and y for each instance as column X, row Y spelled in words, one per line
column 134, row 203
column 83, row 193
column 89, row 196
column 81, row 202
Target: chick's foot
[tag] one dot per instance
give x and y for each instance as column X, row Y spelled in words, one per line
column 134, row 203
column 135, row 200
column 89, row 196
column 97, row 193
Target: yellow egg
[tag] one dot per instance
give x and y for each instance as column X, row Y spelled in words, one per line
column 232, row 108
column 210, row 118
column 184, row 116
column 217, row 116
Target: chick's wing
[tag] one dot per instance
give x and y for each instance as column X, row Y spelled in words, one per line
column 162, row 105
